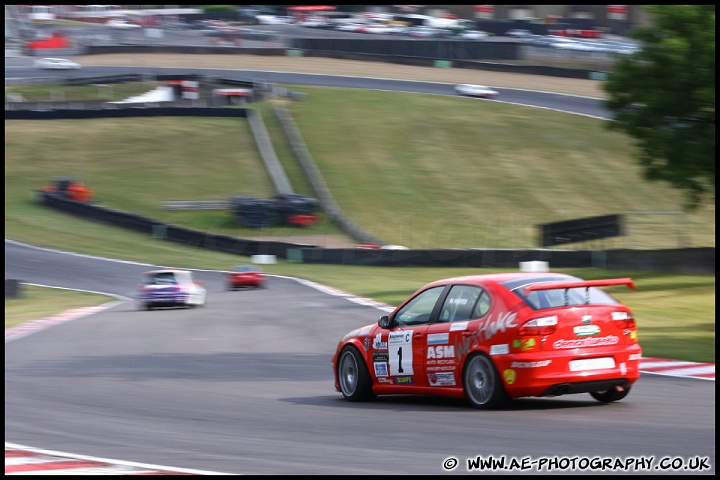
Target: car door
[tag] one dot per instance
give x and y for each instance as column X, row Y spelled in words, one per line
column 448, row 337
column 406, row 339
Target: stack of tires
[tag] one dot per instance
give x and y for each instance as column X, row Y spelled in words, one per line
column 254, row 212
column 284, row 209
column 290, row 205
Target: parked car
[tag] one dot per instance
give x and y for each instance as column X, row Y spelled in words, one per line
column 273, row 19
column 122, row 24
column 427, row 32
column 538, row 40
column 472, row 34
column 350, row 27
column 494, row 337
column 170, row 288
column 246, row 276
column 56, row 64
column 518, row 33
column 479, row 91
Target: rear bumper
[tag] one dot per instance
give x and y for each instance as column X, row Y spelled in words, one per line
column 549, row 374
column 165, row 299
column 585, row 387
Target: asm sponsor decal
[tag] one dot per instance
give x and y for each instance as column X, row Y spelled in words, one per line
column 441, row 379
column 441, row 351
column 381, row 369
column 438, row 338
column 510, row 376
column 440, row 355
column 586, row 342
column 586, row 330
column 405, row 380
column 541, row 363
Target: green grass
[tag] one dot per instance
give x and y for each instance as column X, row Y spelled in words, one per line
column 416, row 170
column 45, row 92
column 35, row 302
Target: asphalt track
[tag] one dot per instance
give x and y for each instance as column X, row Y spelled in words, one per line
column 244, row 386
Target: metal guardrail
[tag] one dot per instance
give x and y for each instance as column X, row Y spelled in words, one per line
column 197, row 205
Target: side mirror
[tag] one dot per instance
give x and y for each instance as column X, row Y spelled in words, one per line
column 384, row 322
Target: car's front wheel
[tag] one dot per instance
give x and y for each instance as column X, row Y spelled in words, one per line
column 612, row 395
column 482, row 384
column 355, row 383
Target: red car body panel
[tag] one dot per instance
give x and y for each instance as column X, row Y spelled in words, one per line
column 246, row 276
column 561, row 347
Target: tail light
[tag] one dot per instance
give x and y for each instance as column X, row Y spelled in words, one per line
column 539, row 326
column 623, row 319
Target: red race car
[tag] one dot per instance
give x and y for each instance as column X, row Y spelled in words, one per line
column 245, row 276
column 491, row 338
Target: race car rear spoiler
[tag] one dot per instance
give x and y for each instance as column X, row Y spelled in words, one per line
column 583, row 284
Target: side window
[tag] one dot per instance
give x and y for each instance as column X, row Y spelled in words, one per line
column 462, row 303
column 418, row 310
column 482, row 306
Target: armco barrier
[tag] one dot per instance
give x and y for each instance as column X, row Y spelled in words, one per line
column 133, row 111
column 327, row 51
column 687, row 260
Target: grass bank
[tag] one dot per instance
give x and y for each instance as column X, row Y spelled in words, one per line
column 416, row 170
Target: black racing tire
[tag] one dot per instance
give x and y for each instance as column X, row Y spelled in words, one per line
column 612, row 395
column 482, row 384
column 353, row 376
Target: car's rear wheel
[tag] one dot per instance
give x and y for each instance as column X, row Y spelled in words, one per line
column 482, row 384
column 355, row 383
column 612, row 395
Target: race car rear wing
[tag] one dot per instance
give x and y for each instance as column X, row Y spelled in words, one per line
column 583, row 284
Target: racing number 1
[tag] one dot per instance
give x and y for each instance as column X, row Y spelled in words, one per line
column 399, row 346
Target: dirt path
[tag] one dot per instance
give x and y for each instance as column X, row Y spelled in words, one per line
column 318, row 65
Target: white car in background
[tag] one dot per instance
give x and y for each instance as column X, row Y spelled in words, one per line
column 472, row 34
column 479, row 91
column 57, row 64
column 122, row 24
column 273, row 19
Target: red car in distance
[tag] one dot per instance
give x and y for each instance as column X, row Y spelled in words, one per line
column 494, row 337
column 243, row 276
